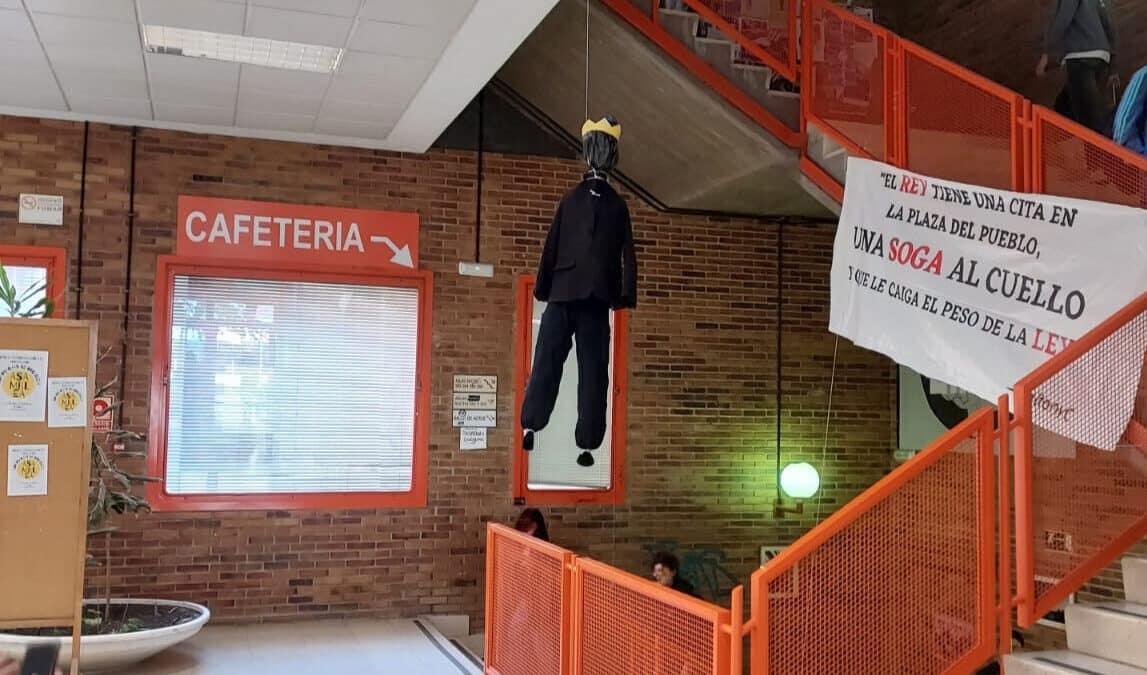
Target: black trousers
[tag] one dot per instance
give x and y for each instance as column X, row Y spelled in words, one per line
column 1086, row 79
column 585, row 322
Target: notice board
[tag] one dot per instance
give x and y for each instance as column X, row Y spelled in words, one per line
column 47, row 370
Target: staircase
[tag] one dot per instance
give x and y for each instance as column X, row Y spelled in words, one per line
column 748, row 74
column 1108, row 638
column 691, row 149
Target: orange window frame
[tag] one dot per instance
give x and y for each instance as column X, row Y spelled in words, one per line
column 53, row 259
column 166, row 270
column 619, row 367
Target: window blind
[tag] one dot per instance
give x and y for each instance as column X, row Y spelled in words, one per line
column 552, row 464
column 25, row 278
column 290, row 387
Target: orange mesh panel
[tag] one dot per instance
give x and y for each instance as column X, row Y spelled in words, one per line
column 524, row 615
column 763, row 22
column 628, row 628
column 1075, row 166
column 1084, row 499
column 899, row 589
column 847, row 78
column 957, row 128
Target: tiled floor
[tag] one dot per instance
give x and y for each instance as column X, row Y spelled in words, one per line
column 356, row 647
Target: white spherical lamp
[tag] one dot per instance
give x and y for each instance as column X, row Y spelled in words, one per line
column 800, row 480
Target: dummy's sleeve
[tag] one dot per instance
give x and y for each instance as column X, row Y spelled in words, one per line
column 545, row 277
column 628, row 267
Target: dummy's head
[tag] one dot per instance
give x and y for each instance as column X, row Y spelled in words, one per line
column 599, row 143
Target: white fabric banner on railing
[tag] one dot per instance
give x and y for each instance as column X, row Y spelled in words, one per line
column 976, row 287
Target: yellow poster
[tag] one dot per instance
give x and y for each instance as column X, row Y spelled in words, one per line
column 27, row 470
column 67, row 401
column 23, row 385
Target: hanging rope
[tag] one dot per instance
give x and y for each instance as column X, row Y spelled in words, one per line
column 827, row 422
column 587, row 58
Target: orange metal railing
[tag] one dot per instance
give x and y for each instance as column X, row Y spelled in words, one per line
column 763, row 31
column 528, row 588
column 549, row 612
column 626, row 624
column 1078, row 508
column 1072, row 161
column 900, row 580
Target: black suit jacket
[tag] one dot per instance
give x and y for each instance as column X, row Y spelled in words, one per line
column 589, row 249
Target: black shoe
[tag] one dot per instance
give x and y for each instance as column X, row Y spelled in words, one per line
column 528, row 440
column 585, row 459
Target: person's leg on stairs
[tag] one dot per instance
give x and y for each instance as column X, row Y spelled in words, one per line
column 553, row 346
column 591, row 328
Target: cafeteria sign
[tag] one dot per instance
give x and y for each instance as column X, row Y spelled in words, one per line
column 295, row 233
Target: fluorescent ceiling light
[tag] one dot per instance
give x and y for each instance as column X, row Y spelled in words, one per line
column 241, row 49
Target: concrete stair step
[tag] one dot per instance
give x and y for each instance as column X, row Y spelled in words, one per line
column 455, row 626
column 681, row 25
column 1135, row 579
column 1065, row 662
column 717, row 53
column 1113, row 630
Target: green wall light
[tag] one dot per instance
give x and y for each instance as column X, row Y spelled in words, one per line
column 800, row 480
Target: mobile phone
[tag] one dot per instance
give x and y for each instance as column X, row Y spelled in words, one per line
column 41, row 659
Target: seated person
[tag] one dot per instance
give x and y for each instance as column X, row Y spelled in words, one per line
column 533, row 523
column 665, row 568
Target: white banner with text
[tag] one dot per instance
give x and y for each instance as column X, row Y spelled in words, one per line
column 976, row 287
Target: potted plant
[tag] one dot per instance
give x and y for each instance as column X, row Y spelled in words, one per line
column 116, row 632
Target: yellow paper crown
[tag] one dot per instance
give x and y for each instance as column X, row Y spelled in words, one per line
column 603, row 126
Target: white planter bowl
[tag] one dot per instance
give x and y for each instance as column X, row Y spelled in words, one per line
column 100, row 653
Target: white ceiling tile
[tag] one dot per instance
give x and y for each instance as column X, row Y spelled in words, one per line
column 302, row 83
column 359, row 111
column 193, row 114
column 208, row 15
column 255, row 100
column 186, row 81
column 277, row 121
column 131, row 108
column 346, row 8
column 373, row 91
column 305, row 27
column 30, row 63
column 379, row 79
column 114, row 10
column 109, row 57
column 444, row 14
column 35, row 98
column 15, row 27
column 398, row 39
column 93, row 82
column 11, row 4
column 78, row 31
column 337, row 127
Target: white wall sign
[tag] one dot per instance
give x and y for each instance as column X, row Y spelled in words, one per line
column 476, row 384
column 473, row 438
column 475, row 418
column 41, row 209
column 475, row 401
column 67, row 401
column 976, row 287
column 27, row 470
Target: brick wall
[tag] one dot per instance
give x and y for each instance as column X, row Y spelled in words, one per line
column 703, row 365
column 1003, row 39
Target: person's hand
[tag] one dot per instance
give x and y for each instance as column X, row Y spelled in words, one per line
column 1041, row 67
